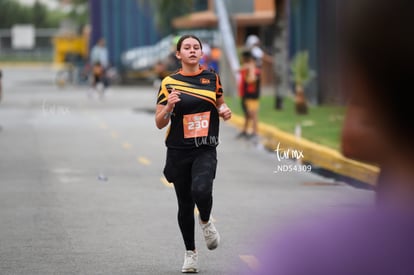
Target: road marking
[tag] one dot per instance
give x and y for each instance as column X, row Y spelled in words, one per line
column 166, row 182
column 144, row 161
column 126, row 145
column 251, row 261
column 114, row 135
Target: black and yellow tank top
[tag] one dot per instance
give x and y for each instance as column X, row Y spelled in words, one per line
column 195, row 119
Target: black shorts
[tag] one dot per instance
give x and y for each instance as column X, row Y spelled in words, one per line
column 101, row 79
column 182, row 165
column 97, row 78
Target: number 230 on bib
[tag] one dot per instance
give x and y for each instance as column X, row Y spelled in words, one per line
column 196, row 125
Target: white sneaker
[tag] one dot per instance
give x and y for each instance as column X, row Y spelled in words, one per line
column 211, row 235
column 190, row 262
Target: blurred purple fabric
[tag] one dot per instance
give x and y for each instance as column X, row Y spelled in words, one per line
column 379, row 242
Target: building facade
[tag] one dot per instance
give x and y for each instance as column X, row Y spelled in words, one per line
column 124, row 24
column 311, row 26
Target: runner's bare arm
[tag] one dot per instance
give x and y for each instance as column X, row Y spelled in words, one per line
column 164, row 112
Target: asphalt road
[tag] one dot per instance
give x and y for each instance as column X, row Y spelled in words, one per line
column 82, row 190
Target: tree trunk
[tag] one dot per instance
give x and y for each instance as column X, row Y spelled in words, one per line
column 281, row 65
column 301, row 105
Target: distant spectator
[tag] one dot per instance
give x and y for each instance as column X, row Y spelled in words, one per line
column 99, row 59
column 215, row 56
column 98, row 73
column 99, row 53
column 210, row 58
column 254, row 45
column 249, row 91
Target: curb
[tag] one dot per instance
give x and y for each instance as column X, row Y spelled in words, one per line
column 313, row 153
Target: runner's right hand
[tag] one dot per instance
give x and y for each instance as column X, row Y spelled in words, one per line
column 173, row 98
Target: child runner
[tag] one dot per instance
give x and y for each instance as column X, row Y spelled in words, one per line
column 98, row 81
column 192, row 101
column 249, row 93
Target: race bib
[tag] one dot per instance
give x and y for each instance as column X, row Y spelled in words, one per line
column 196, row 125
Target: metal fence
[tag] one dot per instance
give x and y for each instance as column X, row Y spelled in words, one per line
column 42, row 50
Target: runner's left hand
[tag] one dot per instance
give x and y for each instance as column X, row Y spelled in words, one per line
column 225, row 112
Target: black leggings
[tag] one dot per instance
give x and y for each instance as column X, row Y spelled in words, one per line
column 192, row 172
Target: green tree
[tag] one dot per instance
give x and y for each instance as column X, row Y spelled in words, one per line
column 302, row 74
column 39, row 15
column 281, row 56
column 79, row 13
column 281, row 52
column 11, row 13
column 54, row 18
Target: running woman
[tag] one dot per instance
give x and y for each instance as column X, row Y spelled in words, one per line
column 191, row 102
